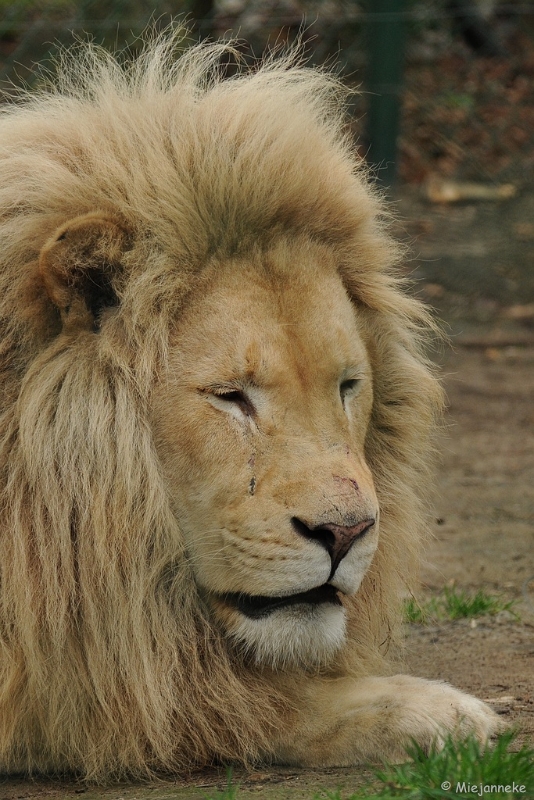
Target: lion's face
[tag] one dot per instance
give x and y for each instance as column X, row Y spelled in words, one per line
column 260, row 422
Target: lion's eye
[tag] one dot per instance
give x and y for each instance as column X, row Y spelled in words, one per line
column 239, row 398
column 232, row 397
column 348, row 388
column 229, row 399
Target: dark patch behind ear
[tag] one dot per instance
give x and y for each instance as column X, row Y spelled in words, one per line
column 96, row 288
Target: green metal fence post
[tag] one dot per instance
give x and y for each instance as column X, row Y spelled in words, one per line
column 384, row 79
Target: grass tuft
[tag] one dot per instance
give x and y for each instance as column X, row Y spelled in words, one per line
column 230, row 792
column 453, row 603
column 462, row 770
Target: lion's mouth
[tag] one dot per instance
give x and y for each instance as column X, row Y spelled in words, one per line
column 256, row 606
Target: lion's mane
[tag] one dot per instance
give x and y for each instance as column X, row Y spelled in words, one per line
column 109, row 664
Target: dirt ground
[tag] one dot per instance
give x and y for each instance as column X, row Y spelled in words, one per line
column 475, row 264
column 484, row 533
column 475, row 270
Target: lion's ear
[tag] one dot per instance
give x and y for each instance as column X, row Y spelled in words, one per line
column 79, row 267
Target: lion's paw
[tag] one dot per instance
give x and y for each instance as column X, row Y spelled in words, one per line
column 432, row 711
column 377, row 719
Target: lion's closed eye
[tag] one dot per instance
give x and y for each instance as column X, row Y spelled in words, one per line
column 349, row 389
column 233, row 401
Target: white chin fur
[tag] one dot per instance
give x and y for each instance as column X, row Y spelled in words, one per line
column 300, row 635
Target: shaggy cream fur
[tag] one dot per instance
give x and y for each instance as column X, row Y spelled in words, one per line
column 205, row 357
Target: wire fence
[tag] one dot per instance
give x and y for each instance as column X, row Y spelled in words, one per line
column 467, row 86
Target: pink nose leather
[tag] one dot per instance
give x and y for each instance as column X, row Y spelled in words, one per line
column 336, row 539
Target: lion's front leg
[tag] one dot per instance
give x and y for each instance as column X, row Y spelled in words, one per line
column 347, row 721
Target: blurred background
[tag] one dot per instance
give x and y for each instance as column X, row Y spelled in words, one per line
column 445, row 117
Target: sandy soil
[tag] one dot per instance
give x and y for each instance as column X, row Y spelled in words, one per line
column 484, row 532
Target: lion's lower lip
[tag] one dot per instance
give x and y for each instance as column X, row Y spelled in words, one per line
column 256, row 606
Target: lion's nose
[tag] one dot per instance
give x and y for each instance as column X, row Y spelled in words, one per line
column 336, row 539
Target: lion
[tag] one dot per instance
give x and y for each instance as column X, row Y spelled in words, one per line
column 216, row 428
